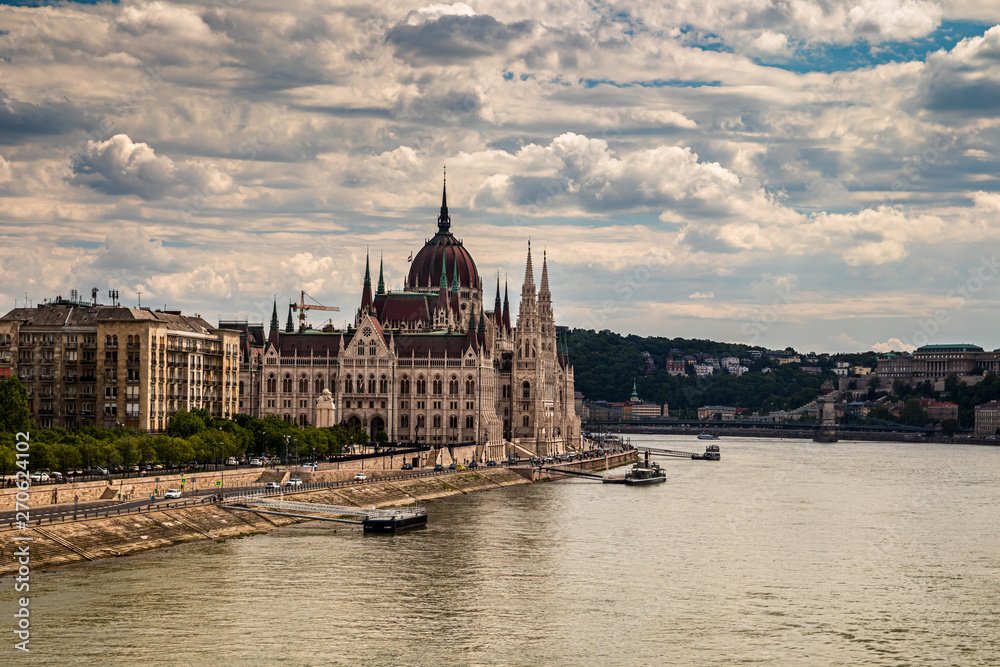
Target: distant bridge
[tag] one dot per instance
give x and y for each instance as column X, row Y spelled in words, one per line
column 853, row 421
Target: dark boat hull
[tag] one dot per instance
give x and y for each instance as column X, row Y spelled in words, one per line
column 646, row 481
column 393, row 525
column 634, row 482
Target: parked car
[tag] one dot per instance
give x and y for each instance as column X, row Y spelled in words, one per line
column 360, row 477
column 98, row 470
column 407, row 466
column 39, row 477
column 473, row 465
column 453, row 466
column 256, row 462
column 295, row 481
column 230, row 461
column 491, row 464
column 271, row 485
column 172, row 493
column 438, row 468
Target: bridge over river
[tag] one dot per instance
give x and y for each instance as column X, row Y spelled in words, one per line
column 852, row 425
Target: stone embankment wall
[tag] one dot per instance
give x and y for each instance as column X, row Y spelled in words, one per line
column 59, row 543
column 613, row 461
column 136, row 487
column 444, row 456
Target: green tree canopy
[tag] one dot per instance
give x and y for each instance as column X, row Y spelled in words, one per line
column 186, row 424
column 14, row 415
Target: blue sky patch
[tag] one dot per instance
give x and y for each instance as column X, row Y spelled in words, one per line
column 829, row 58
column 656, row 83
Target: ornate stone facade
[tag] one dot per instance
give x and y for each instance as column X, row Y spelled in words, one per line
column 86, row 364
column 428, row 364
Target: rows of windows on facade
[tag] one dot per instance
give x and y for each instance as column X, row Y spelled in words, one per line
column 430, row 363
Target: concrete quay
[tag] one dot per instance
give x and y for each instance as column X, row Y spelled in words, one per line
column 61, row 543
column 613, row 461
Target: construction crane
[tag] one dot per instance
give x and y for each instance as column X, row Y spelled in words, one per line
column 302, row 307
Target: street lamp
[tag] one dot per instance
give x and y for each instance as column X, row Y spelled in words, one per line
column 222, row 484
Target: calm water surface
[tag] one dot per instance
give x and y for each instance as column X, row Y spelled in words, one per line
column 784, row 553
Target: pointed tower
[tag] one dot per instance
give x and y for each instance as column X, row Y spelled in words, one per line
column 456, row 307
column 497, row 308
column 527, row 313
column 366, row 294
column 272, row 337
column 545, row 300
column 381, row 279
column 441, row 318
column 471, row 339
column 444, row 220
column 506, row 310
column 289, row 325
column 635, row 394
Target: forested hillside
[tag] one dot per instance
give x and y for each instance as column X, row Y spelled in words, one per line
column 606, row 364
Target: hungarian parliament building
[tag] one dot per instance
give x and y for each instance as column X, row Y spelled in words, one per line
column 430, row 364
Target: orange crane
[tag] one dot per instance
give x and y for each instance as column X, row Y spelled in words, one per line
column 302, row 307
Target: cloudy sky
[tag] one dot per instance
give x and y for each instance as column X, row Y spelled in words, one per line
column 814, row 173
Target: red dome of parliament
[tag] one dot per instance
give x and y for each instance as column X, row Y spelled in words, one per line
column 425, row 271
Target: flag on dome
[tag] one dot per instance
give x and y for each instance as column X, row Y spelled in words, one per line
column 410, row 258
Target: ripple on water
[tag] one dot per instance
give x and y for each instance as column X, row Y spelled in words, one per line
column 786, row 553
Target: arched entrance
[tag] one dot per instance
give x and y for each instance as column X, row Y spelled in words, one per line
column 376, row 425
column 353, row 422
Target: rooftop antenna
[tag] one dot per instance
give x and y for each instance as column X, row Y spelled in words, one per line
column 140, row 297
column 93, row 295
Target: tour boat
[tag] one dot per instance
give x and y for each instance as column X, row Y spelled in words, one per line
column 707, row 436
column 712, row 453
column 640, row 476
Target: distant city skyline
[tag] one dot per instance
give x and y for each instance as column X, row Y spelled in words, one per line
column 820, row 175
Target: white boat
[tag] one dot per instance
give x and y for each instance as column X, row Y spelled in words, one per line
column 707, row 436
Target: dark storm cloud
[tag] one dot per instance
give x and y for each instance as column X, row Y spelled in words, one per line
column 966, row 80
column 451, row 37
column 947, row 94
column 23, row 121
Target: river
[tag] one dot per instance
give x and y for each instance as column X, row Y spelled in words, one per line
column 786, row 552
